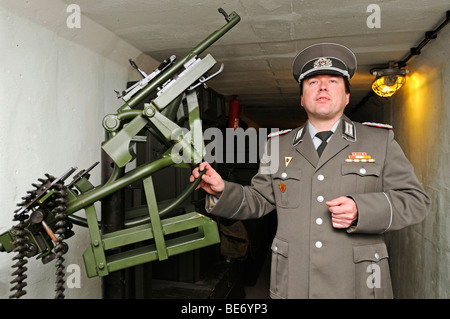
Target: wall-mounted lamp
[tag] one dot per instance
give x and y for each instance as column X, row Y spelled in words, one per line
column 388, row 81
column 383, row 85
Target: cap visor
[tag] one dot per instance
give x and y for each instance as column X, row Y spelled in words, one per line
column 324, row 72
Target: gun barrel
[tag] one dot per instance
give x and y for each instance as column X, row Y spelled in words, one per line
column 232, row 20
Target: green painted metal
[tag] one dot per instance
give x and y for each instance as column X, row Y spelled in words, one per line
column 185, row 80
column 167, row 128
column 205, row 234
column 118, row 148
column 127, row 236
column 96, row 247
column 172, row 109
column 6, row 241
column 196, row 127
column 98, row 193
column 155, row 220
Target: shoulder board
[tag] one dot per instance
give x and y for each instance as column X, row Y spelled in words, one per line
column 387, row 126
column 278, row 133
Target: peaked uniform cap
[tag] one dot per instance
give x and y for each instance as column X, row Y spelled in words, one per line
column 324, row 58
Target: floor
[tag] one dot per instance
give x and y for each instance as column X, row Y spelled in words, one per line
column 261, row 289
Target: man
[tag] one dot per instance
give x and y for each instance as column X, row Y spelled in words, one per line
column 333, row 208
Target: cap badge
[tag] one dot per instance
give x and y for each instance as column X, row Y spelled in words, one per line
column 323, row 62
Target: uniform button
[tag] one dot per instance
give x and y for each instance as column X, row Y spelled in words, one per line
column 283, row 175
column 363, row 171
column 319, row 221
column 320, row 198
column 275, row 248
column 377, row 256
column 318, row 244
column 320, row 177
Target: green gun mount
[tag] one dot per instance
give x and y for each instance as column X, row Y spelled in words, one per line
column 47, row 213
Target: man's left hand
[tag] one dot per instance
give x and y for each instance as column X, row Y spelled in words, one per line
column 343, row 212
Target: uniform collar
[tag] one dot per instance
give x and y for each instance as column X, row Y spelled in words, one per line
column 345, row 135
column 348, row 130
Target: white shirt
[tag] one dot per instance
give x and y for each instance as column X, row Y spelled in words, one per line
column 313, row 131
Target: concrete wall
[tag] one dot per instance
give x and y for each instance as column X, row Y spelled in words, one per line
column 56, row 86
column 420, row 114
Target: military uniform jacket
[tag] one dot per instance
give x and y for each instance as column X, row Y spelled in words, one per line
column 310, row 258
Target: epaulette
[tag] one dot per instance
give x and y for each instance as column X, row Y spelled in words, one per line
column 387, row 126
column 278, row 133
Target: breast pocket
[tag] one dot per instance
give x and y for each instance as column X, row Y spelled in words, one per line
column 360, row 178
column 286, row 186
column 372, row 275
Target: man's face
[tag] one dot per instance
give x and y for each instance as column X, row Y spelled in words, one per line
column 324, row 97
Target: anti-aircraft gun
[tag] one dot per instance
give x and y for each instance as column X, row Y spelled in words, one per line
column 46, row 215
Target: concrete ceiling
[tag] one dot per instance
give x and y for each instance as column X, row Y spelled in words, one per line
column 258, row 52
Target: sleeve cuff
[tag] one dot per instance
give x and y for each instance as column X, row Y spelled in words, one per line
column 374, row 213
column 229, row 202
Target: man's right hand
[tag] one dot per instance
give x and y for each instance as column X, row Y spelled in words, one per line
column 211, row 182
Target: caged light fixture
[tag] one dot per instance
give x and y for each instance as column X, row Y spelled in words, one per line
column 388, row 80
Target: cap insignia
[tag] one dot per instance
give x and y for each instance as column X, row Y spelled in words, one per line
column 323, row 62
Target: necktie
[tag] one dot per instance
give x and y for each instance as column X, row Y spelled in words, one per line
column 323, row 136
